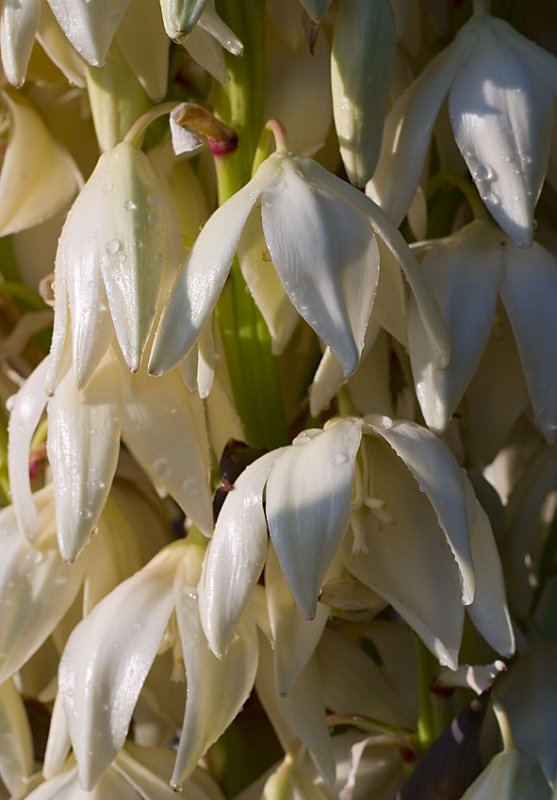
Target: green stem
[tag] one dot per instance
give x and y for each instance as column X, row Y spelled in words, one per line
column 4, row 480
column 28, row 297
column 247, row 344
column 445, row 180
column 504, row 724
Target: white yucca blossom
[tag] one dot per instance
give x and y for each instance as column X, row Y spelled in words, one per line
column 162, row 425
column 320, row 236
column 90, row 27
column 409, row 480
column 511, row 775
column 501, row 91
column 467, row 273
column 109, row 654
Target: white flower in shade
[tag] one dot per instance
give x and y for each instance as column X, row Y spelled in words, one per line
column 510, row 775
column 408, row 479
column 501, row 90
column 320, row 235
column 162, row 425
column 120, row 242
column 109, row 654
column 38, row 178
column 467, row 273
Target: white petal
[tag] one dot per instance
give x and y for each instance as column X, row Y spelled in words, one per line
column 89, row 26
column 529, row 294
column 59, row 744
column 236, row 554
column 18, row 26
column 315, row 8
column 294, row 638
column 16, row 743
column 502, row 115
column 51, row 38
column 207, row 52
column 203, row 275
column 488, row 611
column 308, row 503
column 106, row 661
column 159, row 427
column 325, row 254
column 181, row 16
column 83, row 447
column 408, row 561
column 26, row 411
column 60, row 356
column 213, row 24
column 510, row 774
column 439, row 477
column 408, row 129
column 145, row 46
column 264, row 284
column 464, row 275
column 38, row 177
column 217, row 688
column 36, row 587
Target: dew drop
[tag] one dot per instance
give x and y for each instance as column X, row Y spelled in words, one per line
column 176, row 787
column 112, row 246
column 107, row 187
column 161, row 468
column 339, row 459
column 190, row 486
column 129, row 205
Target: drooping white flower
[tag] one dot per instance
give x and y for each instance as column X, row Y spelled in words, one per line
column 120, row 239
column 320, row 235
column 109, row 654
column 501, row 90
column 510, row 775
column 467, row 273
column 160, row 422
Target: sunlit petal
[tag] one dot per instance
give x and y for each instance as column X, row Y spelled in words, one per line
column 308, row 504
column 89, row 26
column 18, row 26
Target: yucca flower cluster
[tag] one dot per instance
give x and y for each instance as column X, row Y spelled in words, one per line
column 278, row 432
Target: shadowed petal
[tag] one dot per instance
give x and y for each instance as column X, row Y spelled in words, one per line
column 18, row 26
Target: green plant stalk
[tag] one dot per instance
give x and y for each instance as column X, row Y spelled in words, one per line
column 253, row 368
column 427, row 728
column 4, row 479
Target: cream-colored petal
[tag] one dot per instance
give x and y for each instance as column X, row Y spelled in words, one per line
column 16, row 742
column 90, row 26
column 83, row 446
column 38, row 177
column 217, row 688
column 18, row 26
column 160, row 429
column 145, row 46
column 308, row 504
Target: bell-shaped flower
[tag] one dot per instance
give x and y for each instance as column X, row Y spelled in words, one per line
column 120, row 242
column 109, row 654
column 467, row 273
column 320, row 235
column 501, row 90
column 38, row 178
column 418, row 534
column 160, row 422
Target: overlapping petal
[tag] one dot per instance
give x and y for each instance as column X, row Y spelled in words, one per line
column 90, row 26
column 18, row 26
column 16, row 743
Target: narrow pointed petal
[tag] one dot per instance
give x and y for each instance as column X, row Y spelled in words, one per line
column 18, row 26
column 36, row 587
column 59, row 744
column 488, row 611
column 16, row 743
column 27, row 409
column 83, row 447
column 264, row 284
column 236, row 555
column 440, row 478
column 57, row 47
column 408, row 561
column 304, row 710
column 308, row 505
column 362, row 62
column 408, row 129
column 464, row 275
column 502, row 115
column 90, row 26
column 59, row 360
column 295, row 638
column 217, row 688
column 529, row 294
column 325, row 254
column 159, row 428
column 38, row 177
column 210, row 22
column 203, row 275
column 207, row 52
column 106, row 661
column 181, row 16
column 145, row 47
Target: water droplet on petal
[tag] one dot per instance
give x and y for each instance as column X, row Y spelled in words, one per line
column 112, row 246
column 107, row 187
column 161, row 468
column 129, row 205
column 339, row 459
